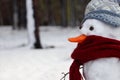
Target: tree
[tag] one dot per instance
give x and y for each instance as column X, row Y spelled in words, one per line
column 6, row 12
column 73, row 20
column 15, row 14
column 32, row 24
column 37, row 44
column 50, row 12
column 1, row 20
column 64, row 12
column 21, row 13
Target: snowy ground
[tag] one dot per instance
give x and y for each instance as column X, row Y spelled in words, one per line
column 19, row 62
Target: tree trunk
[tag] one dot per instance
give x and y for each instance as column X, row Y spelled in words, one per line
column 37, row 19
column 73, row 21
column 33, row 27
column 15, row 15
column 22, row 14
column 64, row 12
column 1, row 20
column 50, row 13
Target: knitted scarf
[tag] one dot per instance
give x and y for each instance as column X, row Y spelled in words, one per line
column 94, row 47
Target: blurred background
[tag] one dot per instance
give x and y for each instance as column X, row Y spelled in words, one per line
column 33, row 38
column 48, row 12
column 62, row 13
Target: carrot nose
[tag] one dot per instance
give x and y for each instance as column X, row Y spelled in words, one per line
column 78, row 39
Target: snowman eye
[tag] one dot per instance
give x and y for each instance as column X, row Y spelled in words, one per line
column 91, row 28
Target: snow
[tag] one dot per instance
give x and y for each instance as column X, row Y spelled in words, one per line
column 19, row 62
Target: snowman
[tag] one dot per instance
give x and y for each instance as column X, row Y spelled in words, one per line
column 98, row 49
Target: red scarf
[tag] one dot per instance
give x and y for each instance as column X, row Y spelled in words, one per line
column 94, row 47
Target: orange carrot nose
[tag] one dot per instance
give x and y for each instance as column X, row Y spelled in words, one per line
column 78, row 39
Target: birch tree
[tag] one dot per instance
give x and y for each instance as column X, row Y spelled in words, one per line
column 33, row 30
column 15, row 14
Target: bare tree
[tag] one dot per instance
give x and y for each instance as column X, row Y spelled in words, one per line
column 37, row 19
column 32, row 24
column 50, row 12
column 73, row 20
column 5, row 12
column 64, row 12
column 1, row 20
column 15, row 15
column 21, row 14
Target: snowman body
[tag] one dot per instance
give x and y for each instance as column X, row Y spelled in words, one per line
column 103, row 68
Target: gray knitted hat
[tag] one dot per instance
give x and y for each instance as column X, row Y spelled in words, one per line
column 107, row 11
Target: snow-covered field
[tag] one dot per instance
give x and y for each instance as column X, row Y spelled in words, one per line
column 19, row 62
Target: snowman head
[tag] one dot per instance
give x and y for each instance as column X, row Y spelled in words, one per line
column 96, row 27
column 102, row 18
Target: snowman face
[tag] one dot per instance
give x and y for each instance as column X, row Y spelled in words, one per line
column 95, row 27
column 92, row 27
column 98, row 28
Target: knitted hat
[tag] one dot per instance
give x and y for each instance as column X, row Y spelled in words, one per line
column 107, row 11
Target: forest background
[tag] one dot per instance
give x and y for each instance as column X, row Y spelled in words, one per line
column 48, row 12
